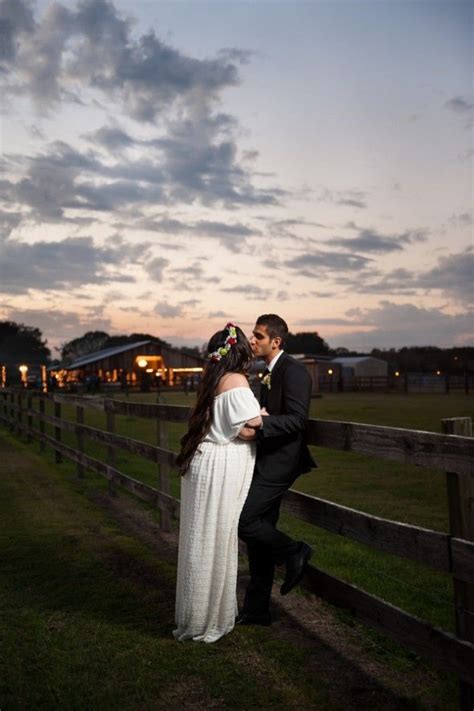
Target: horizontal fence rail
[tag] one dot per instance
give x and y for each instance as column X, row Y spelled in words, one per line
column 440, row 551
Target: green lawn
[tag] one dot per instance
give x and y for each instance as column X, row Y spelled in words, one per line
column 86, row 613
column 388, row 489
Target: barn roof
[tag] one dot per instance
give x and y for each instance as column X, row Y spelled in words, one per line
column 105, row 353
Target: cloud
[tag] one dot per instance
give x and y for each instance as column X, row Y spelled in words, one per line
column 92, row 45
column 62, row 179
column 251, row 291
column 398, row 281
column 193, row 271
column 166, row 310
column 322, row 294
column 8, row 222
column 88, row 51
column 16, row 18
column 216, row 314
column 68, row 263
column 369, row 240
column 199, row 166
column 316, row 322
column 462, row 220
column 395, row 325
column 351, row 198
column 230, row 235
column 351, row 202
column 459, row 105
column 317, row 263
column 112, row 138
column 156, row 267
column 453, row 275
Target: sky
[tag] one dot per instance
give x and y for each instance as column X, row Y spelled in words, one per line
column 170, row 166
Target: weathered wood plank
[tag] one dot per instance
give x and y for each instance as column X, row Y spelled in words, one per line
column 460, row 490
column 430, row 548
column 164, row 472
column 426, row 449
column 171, row 413
column 420, row 544
column 142, row 449
column 442, row 649
column 92, row 401
column 462, row 553
column 138, row 488
column 80, row 438
column 57, row 431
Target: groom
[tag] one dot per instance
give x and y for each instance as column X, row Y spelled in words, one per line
column 282, row 456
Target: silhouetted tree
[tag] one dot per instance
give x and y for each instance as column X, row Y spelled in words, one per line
column 88, row 343
column 306, row 342
column 22, row 344
column 93, row 341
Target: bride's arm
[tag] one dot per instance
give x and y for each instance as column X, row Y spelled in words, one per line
column 249, row 430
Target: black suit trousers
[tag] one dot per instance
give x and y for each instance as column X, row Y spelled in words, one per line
column 266, row 545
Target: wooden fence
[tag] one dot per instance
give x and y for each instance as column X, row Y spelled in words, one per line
column 407, row 382
column 452, row 453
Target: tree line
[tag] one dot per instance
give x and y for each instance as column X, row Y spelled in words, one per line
column 25, row 344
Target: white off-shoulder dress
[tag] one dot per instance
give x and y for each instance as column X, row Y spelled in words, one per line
column 213, row 492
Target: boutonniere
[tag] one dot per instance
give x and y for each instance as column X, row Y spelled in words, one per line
column 267, row 380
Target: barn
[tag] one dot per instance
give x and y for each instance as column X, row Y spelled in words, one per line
column 325, row 374
column 140, row 363
column 362, row 366
column 362, row 372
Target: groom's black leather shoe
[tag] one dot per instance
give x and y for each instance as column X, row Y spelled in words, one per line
column 295, row 567
column 245, row 618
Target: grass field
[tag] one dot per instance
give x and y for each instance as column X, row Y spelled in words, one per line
column 388, row 489
column 86, row 610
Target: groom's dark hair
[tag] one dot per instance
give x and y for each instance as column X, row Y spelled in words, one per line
column 275, row 326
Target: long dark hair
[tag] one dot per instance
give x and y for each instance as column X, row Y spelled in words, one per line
column 237, row 360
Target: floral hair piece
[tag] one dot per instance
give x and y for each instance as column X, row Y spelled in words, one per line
column 230, row 341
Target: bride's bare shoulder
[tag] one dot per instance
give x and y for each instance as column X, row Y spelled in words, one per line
column 229, row 381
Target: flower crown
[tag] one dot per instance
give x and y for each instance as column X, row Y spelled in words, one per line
column 230, row 341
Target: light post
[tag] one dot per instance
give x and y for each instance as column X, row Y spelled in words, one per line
column 142, row 364
column 24, row 375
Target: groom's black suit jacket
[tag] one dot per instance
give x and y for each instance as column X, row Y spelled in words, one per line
column 282, row 453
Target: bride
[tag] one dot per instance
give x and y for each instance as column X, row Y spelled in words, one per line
column 217, row 466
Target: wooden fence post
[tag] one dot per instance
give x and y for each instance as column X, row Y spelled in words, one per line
column 12, row 413
column 80, row 438
column 5, row 409
column 58, row 457
column 19, row 414
column 41, row 423
column 164, row 475
column 111, row 452
column 29, row 405
column 461, row 525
